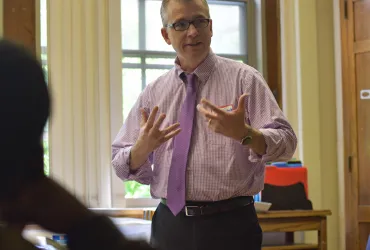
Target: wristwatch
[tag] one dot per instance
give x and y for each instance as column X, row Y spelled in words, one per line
column 247, row 139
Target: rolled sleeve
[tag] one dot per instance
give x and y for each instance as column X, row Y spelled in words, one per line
column 125, row 139
column 264, row 114
column 121, row 165
column 280, row 145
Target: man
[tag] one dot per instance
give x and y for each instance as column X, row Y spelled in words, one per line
column 219, row 125
column 26, row 194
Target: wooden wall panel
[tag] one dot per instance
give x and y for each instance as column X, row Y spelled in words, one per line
column 19, row 22
column 273, row 48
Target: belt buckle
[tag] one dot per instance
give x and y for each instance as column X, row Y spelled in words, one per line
column 189, row 214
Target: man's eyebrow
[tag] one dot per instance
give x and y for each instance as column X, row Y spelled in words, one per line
column 193, row 18
column 180, row 20
column 199, row 16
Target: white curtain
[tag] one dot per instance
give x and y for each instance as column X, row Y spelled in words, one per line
column 83, row 58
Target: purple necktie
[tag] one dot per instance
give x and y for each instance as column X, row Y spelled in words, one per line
column 176, row 177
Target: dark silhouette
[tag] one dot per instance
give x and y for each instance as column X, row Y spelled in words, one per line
column 26, row 194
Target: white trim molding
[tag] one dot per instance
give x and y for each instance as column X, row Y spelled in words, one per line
column 339, row 121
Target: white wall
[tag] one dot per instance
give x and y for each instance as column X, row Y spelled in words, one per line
column 309, row 83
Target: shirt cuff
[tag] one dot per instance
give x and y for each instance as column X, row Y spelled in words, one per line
column 272, row 139
column 122, row 167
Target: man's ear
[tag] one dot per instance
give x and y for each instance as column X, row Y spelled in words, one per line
column 210, row 27
column 165, row 35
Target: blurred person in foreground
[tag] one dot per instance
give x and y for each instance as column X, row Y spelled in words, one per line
column 27, row 196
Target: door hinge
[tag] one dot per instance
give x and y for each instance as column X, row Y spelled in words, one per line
column 345, row 9
column 350, row 164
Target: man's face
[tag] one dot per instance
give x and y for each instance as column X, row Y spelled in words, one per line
column 193, row 43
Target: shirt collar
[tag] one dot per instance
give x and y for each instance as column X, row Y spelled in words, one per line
column 203, row 71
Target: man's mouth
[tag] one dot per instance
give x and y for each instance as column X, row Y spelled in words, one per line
column 193, row 44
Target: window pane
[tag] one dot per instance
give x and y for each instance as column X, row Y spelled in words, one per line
column 154, row 39
column 227, row 38
column 43, row 23
column 163, row 61
column 153, row 74
column 131, row 60
column 44, row 43
column 131, row 88
column 130, row 24
column 46, row 151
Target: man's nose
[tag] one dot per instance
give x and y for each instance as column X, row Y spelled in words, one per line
column 192, row 31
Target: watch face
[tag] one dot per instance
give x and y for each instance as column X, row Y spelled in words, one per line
column 247, row 140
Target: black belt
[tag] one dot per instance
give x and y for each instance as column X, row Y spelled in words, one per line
column 193, row 208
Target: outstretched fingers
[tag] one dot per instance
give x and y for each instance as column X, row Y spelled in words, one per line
column 159, row 121
column 151, row 118
column 171, row 134
column 144, row 117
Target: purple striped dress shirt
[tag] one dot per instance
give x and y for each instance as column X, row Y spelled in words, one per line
column 218, row 167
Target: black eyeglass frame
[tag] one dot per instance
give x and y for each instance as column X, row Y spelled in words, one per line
column 196, row 22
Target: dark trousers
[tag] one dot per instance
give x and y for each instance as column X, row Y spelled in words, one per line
column 234, row 230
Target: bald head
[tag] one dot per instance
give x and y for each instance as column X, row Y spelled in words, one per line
column 166, row 2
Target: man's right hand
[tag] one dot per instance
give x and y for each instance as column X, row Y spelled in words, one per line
column 150, row 137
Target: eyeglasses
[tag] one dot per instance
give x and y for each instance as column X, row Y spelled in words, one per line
column 184, row 25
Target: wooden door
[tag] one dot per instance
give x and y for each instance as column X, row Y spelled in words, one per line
column 273, row 48
column 355, row 23
column 20, row 22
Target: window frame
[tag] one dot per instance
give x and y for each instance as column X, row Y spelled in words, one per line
column 142, row 53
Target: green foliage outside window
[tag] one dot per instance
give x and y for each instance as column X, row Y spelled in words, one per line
column 136, row 190
column 46, row 156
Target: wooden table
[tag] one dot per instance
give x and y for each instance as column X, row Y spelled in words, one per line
column 138, row 213
column 272, row 221
column 295, row 221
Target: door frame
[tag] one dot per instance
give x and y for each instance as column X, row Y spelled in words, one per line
column 349, row 152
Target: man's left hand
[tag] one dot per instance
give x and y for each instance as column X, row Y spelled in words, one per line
column 231, row 124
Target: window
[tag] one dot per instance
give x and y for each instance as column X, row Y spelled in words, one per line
column 146, row 56
column 43, row 46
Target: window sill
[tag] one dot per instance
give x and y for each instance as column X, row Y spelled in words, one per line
column 120, row 201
